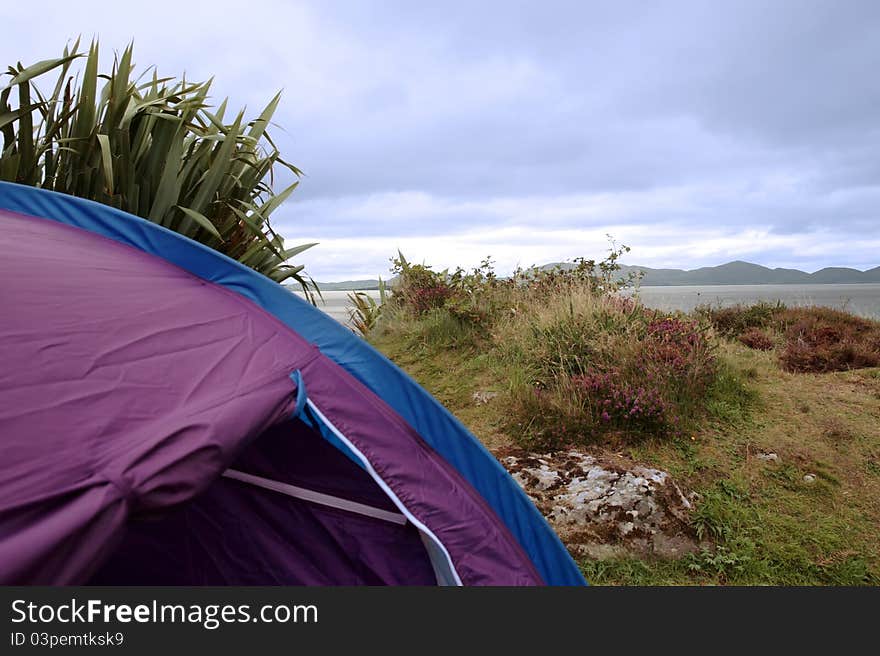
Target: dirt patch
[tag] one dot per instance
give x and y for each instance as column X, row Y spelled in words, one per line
column 604, row 505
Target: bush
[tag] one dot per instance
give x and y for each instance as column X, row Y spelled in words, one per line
column 736, row 320
column 821, row 339
column 757, row 339
column 478, row 297
column 678, row 351
column 617, row 403
column 602, row 365
column 814, row 339
column 418, row 288
column 151, row 148
column 583, row 362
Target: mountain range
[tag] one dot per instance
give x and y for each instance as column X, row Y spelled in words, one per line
column 746, row 273
column 732, row 273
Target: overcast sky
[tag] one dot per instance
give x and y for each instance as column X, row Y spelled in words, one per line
column 695, row 132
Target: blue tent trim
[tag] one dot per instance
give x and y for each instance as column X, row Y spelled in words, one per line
column 437, row 426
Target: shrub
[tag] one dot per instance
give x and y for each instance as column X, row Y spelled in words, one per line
column 363, row 313
column 583, row 361
column 756, row 338
column 821, row 339
column 814, row 339
column 418, row 288
column 423, row 299
column 619, row 404
column 151, row 148
column 735, row 320
column 601, row 365
column 678, row 350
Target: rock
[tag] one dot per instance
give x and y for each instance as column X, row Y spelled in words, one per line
column 598, row 551
column 626, row 528
column 674, row 546
column 768, row 457
column 596, row 503
column 481, row 398
column 546, row 477
column 809, row 478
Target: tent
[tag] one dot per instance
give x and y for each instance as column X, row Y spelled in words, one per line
column 170, row 417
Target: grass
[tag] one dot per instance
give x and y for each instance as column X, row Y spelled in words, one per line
column 772, row 527
column 767, row 524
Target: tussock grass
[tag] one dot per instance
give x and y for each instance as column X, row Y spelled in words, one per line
column 581, row 363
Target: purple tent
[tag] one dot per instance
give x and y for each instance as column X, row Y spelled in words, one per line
column 168, row 416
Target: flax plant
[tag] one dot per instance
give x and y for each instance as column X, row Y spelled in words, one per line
column 152, row 146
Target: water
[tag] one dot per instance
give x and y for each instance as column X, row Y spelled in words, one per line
column 336, row 304
column 862, row 299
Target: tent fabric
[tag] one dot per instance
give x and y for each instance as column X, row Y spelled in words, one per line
column 319, row 498
column 131, row 385
column 404, row 404
column 126, row 387
column 287, row 542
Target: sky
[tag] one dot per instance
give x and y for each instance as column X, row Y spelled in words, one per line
column 694, row 132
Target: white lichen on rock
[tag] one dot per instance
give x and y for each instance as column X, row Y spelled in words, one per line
column 481, row 397
column 603, row 508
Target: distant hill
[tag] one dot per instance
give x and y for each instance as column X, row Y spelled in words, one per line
column 732, row 273
column 746, row 273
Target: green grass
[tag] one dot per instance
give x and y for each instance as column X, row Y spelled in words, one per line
column 768, row 525
column 763, row 524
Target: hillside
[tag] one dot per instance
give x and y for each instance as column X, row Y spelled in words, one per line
column 732, row 273
column 746, row 273
column 727, row 446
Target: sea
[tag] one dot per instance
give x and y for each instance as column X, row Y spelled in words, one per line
column 862, row 299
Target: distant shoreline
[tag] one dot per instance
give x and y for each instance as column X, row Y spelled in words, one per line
column 862, row 299
column 731, row 273
column 347, row 287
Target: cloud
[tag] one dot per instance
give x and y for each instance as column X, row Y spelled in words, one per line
column 694, row 132
column 522, row 231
